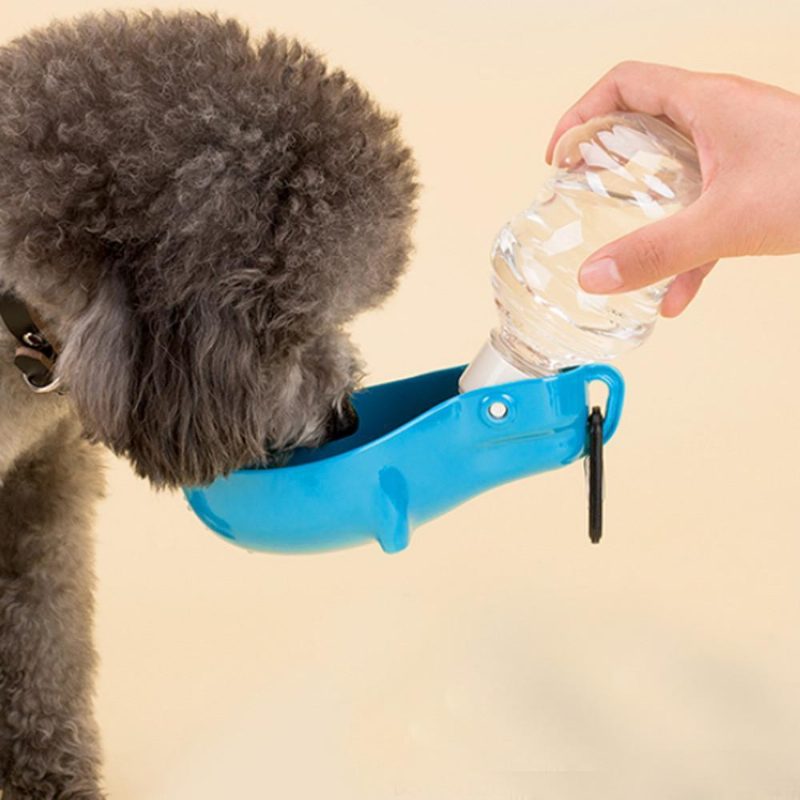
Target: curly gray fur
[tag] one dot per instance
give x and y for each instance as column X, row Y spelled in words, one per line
column 209, row 214
column 195, row 216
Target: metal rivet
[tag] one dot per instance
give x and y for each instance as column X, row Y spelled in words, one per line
column 498, row 410
column 33, row 339
column 54, row 385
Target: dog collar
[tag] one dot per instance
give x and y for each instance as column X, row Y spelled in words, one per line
column 36, row 355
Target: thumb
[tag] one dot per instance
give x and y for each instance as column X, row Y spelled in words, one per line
column 677, row 244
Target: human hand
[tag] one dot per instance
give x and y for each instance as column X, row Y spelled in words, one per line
column 747, row 136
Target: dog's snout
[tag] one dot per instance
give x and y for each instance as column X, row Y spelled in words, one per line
column 342, row 422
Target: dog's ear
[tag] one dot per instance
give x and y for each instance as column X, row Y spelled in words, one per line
column 97, row 364
column 173, row 390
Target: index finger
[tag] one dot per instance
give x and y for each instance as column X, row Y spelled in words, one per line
column 631, row 86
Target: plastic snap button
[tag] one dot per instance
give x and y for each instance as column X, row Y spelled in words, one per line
column 498, row 410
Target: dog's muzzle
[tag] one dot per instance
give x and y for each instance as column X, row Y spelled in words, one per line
column 341, row 422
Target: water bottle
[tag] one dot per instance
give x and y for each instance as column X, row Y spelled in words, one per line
column 613, row 174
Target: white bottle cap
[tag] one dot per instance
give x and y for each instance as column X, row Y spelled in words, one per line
column 489, row 368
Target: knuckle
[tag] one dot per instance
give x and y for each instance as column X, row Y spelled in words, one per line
column 724, row 85
column 650, row 260
column 729, row 79
column 630, row 68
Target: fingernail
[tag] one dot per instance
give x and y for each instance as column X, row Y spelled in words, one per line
column 600, row 276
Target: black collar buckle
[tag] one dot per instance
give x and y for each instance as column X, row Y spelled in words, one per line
column 35, row 356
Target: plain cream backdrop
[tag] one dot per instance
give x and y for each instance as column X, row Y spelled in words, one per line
column 501, row 657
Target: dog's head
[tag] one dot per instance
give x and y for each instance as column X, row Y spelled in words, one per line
column 197, row 217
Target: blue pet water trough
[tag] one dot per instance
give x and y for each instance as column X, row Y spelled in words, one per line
column 420, row 449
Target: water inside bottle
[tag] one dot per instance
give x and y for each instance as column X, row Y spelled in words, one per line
column 612, row 181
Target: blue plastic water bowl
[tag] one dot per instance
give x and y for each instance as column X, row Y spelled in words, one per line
column 420, row 449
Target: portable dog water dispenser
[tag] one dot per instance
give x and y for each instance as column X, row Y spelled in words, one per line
column 421, row 449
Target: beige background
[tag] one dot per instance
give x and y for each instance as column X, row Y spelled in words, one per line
column 501, row 657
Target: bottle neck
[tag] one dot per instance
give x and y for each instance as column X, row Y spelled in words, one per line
column 491, row 368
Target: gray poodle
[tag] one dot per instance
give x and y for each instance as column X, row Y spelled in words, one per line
column 187, row 221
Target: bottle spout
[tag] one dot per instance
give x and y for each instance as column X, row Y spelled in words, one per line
column 489, row 368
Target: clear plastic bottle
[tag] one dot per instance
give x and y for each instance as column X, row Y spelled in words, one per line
column 614, row 174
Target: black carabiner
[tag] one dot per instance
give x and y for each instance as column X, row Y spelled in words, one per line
column 594, row 473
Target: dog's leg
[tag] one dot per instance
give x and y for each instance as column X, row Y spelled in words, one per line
column 46, row 654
